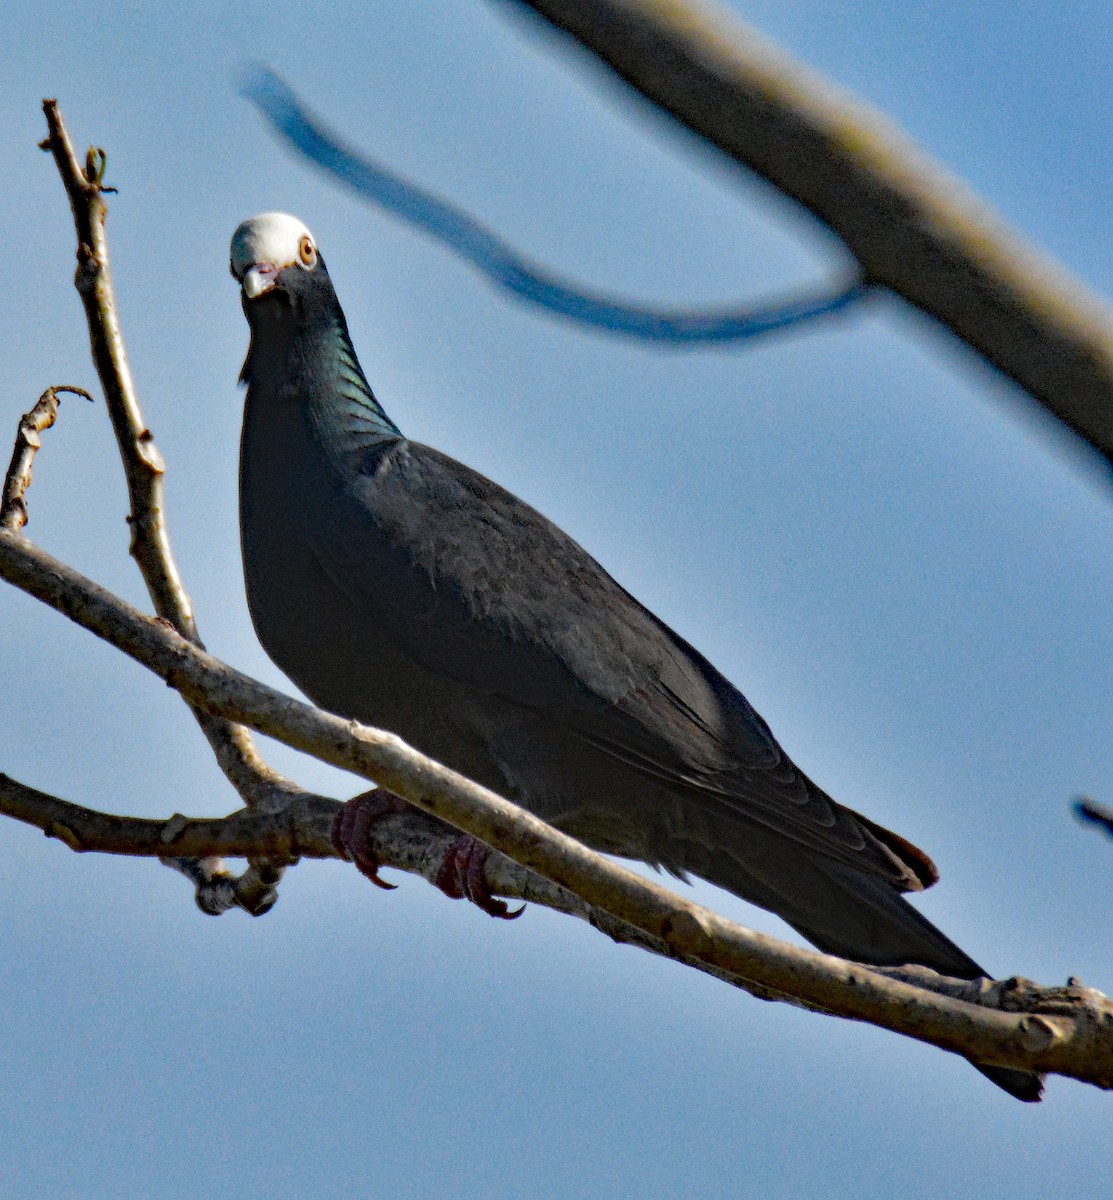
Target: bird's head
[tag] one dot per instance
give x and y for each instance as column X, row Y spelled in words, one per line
column 273, row 252
column 284, row 286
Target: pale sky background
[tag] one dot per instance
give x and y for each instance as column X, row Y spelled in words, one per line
column 904, row 566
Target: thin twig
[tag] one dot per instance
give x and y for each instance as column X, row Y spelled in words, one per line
column 13, row 503
column 255, row 781
column 142, row 462
column 912, row 226
column 233, row 747
column 1078, row 1042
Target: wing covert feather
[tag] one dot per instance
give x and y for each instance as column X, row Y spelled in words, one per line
column 475, row 584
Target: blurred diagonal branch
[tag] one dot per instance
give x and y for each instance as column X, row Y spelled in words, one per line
column 503, row 265
column 911, row 225
column 1093, row 813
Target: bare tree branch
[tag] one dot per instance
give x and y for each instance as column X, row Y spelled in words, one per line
column 302, row 828
column 13, row 505
column 256, row 782
column 911, row 225
column 1070, row 1035
column 253, row 779
column 412, row 841
column 216, row 889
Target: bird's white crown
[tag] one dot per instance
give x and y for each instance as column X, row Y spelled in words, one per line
column 276, row 238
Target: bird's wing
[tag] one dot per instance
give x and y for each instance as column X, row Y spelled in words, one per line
column 475, row 584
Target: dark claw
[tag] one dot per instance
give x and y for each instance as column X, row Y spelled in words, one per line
column 461, row 877
column 351, row 831
column 461, row 873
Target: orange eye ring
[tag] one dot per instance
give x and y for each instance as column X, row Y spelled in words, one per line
column 307, row 252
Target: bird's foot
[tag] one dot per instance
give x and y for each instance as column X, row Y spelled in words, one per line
column 461, row 877
column 351, row 831
column 461, row 873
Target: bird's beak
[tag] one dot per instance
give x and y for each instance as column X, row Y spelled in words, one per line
column 258, row 279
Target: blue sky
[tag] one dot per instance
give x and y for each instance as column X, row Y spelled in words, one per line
column 902, row 563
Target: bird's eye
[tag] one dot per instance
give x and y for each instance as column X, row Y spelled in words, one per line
column 307, row 252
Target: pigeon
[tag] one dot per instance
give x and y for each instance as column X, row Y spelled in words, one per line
column 398, row 587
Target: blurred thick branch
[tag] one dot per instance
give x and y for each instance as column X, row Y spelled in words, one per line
column 912, row 226
column 1093, row 813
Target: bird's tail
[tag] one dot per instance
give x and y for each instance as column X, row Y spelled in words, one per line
column 852, row 914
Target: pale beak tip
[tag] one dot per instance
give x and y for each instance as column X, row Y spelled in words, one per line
column 258, row 279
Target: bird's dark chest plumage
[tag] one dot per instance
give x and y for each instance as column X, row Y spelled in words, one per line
column 298, row 460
